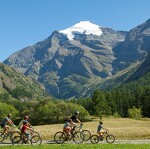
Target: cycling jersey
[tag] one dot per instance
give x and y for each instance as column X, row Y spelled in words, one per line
column 4, row 122
column 74, row 118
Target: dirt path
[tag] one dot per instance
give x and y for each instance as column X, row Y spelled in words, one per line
column 102, row 142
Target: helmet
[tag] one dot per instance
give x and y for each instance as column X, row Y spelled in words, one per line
column 100, row 122
column 25, row 122
column 9, row 115
column 25, row 117
column 77, row 112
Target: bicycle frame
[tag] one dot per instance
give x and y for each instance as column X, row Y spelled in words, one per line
column 10, row 130
column 78, row 128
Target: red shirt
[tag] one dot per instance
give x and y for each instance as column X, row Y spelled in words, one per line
column 23, row 129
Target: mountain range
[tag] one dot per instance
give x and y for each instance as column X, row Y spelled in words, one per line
column 73, row 62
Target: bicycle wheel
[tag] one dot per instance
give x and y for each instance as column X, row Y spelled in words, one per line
column 78, row 137
column 36, row 139
column 25, row 139
column 2, row 137
column 86, row 134
column 94, row 139
column 13, row 134
column 16, row 140
column 59, row 137
column 110, row 138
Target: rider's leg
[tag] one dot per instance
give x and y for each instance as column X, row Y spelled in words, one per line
column 28, row 135
column 67, row 130
column 100, row 133
column 7, row 128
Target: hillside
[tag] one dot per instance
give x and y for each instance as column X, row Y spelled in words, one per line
column 16, row 85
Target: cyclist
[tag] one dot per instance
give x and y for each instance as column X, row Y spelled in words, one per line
column 68, row 127
column 75, row 117
column 22, row 121
column 5, row 122
column 24, row 129
column 99, row 129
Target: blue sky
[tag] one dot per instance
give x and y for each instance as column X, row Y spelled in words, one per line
column 26, row 22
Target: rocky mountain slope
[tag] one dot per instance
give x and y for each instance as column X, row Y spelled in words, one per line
column 142, row 70
column 75, row 61
column 134, row 48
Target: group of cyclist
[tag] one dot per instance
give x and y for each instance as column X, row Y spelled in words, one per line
column 24, row 125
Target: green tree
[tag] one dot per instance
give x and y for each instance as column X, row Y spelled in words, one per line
column 5, row 109
column 99, row 104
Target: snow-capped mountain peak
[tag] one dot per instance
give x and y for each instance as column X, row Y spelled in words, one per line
column 83, row 27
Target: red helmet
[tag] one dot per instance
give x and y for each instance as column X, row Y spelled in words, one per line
column 25, row 117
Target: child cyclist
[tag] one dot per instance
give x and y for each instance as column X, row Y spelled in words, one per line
column 24, row 129
column 99, row 129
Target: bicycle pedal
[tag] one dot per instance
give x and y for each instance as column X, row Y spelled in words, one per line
column 101, row 139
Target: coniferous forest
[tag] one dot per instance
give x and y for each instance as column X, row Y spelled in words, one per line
column 119, row 101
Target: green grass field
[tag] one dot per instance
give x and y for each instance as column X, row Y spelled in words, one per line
column 81, row 146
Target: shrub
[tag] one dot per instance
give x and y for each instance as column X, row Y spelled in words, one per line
column 135, row 113
column 5, row 109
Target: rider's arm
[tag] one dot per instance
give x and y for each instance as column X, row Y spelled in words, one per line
column 105, row 128
column 74, row 124
column 79, row 121
column 29, row 128
column 30, row 125
column 10, row 122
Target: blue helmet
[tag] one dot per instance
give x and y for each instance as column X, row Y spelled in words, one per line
column 25, row 122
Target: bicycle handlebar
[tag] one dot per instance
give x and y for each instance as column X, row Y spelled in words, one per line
column 80, row 126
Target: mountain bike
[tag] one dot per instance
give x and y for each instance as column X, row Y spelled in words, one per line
column 77, row 136
column 11, row 133
column 109, row 138
column 86, row 133
column 24, row 139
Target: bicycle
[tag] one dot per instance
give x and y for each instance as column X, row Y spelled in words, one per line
column 33, row 132
column 11, row 133
column 24, row 139
column 86, row 133
column 109, row 138
column 77, row 136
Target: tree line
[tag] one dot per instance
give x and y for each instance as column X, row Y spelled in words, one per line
column 119, row 101
column 44, row 111
column 128, row 100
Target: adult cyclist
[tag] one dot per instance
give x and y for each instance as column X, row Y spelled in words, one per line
column 5, row 122
column 75, row 118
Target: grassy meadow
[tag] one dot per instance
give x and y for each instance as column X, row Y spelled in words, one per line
column 121, row 128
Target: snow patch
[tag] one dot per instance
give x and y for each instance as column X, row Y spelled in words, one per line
column 83, row 27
